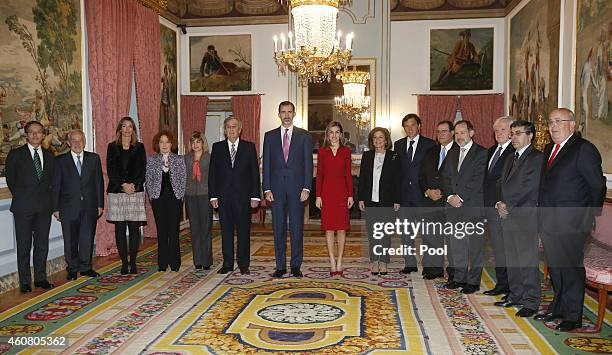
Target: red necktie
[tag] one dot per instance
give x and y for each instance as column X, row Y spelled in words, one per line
column 554, row 154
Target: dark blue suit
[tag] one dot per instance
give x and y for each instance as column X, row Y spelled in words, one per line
column 286, row 180
column 410, row 190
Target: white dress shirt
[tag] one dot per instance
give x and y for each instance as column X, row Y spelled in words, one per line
column 504, row 146
column 229, row 149
column 290, row 133
column 561, row 146
column 522, row 150
column 74, row 158
column 379, row 160
column 40, row 154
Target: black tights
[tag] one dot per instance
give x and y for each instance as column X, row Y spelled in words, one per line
column 121, row 240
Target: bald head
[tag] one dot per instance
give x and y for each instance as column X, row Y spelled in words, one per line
column 561, row 124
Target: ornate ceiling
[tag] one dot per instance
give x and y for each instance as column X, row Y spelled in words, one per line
column 232, row 12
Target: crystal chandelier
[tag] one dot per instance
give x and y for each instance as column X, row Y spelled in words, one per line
column 314, row 49
column 354, row 103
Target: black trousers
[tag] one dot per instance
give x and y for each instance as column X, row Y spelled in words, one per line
column 167, row 210
column 434, row 263
column 496, row 236
column 78, row 236
column 235, row 215
column 32, row 228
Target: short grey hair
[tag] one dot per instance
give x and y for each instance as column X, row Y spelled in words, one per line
column 73, row 132
column 508, row 119
column 225, row 121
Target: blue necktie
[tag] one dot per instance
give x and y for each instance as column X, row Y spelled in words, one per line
column 495, row 158
column 79, row 165
column 442, row 156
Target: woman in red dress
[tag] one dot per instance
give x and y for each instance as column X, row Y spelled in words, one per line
column 334, row 191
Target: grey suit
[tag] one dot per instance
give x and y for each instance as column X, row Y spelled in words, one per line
column 199, row 211
column 467, row 183
column 519, row 187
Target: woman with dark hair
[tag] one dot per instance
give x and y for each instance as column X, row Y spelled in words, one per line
column 379, row 187
column 334, row 191
column 166, row 178
column 125, row 166
column 199, row 210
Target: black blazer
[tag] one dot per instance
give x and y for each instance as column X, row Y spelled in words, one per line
column 389, row 179
column 492, row 178
column 70, row 190
column 575, row 179
column 519, row 185
column 410, row 190
column 133, row 173
column 242, row 181
column 430, row 175
column 29, row 193
column 469, row 181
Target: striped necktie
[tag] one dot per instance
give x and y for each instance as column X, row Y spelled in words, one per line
column 233, row 153
column 37, row 164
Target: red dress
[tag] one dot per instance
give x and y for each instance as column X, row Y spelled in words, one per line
column 334, row 186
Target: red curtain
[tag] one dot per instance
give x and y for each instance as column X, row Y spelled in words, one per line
column 482, row 111
column 109, row 28
column 433, row 109
column 123, row 38
column 193, row 116
column 147, row 75
column 248, row 109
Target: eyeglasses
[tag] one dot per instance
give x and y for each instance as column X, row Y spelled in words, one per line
column 553, row 122
column 517, row 133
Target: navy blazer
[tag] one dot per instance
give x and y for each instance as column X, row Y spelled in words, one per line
column 293, row 175
column 71, row 191
column 29, row 193
column 468, row 182
column 492, row 177
column 410, row 190
column 240, row 181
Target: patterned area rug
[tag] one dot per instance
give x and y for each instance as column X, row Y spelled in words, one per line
column 202, row 312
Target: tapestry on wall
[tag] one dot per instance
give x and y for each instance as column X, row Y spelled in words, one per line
column 40, row 71
column 220, row 63
column 534, row 60
column 168, row 108
column 461, row 59
column 593, row 103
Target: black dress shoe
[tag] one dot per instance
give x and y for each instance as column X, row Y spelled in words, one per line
column 409, row 269
column 159, row 269
column 245, row 270
column 469, row 289
column 279, row 273
column 124, row 269
column 383, row 273
column 295, row 272
column 505, row 297
column 71, row 276
column 507, row 304
column 25, row 288
column 431, row 276
column 175, row 269
column 43, row 284
column 547, row 316
column 133, row 269
column 198, row 267
column 568, row 326
column 495, row 291
column 525, row 312
column 375, row 273
column 224, row 270
column 205, row 267
column 453, row 285
column 90, row 273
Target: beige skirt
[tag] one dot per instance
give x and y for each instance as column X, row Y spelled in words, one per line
column 126, row 207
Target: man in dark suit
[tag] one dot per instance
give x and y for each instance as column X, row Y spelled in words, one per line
column 233, row 187
column 287, row 180
column 462, row 181
column 497, row 156
column 78, row 201
column 429, row 180
column 519, row 187
column 572, row 192
column 29, row 171
column 411, row 150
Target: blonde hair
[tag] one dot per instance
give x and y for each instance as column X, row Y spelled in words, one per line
column 198, row 136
